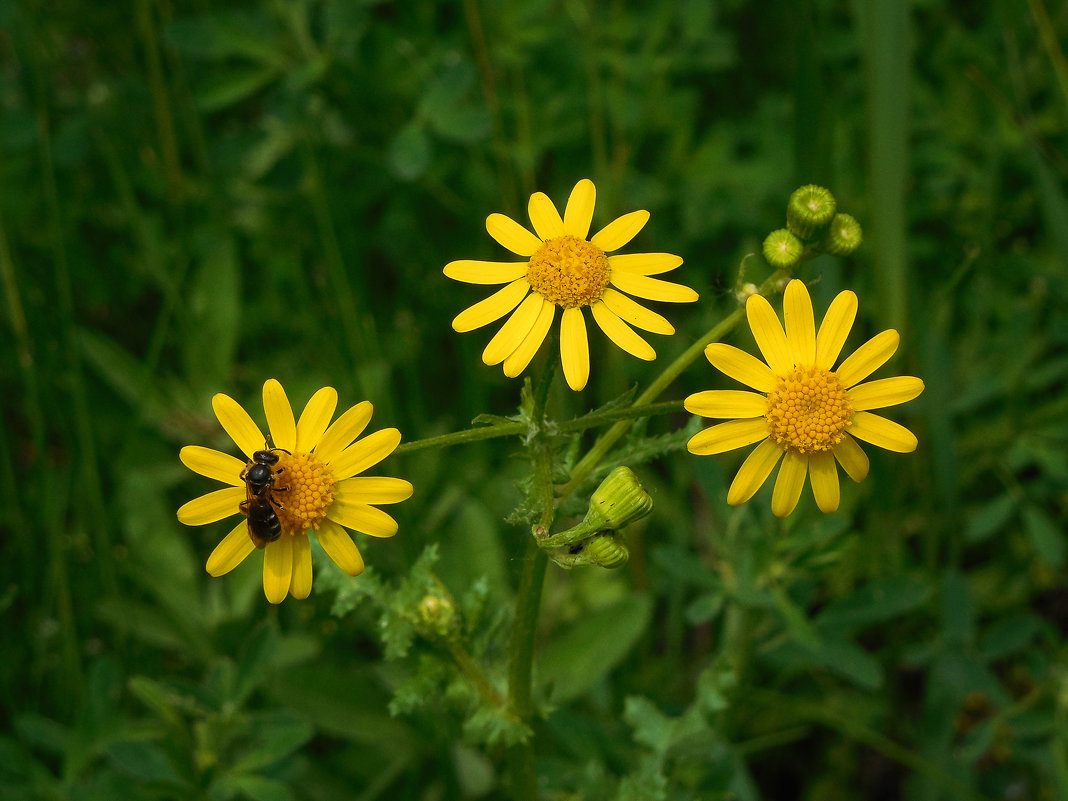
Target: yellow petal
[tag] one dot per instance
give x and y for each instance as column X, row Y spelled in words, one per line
column 339, row 546
column 343, row 431
column 300, row 588
column 789, row 483
column 884, row 392
column 368, row 452
column 315, row 418
column 518, row 360
column 279, row 412
column 278, row 569
column 621, row 333
column 363, row 518
column 515, row 328
column 211, row 507
column 644, row 263
column 727, row 436
column 232, row 551
column 883, row 433
column 620, row 231
column 754, row 472
column 512, row 235
column 726, row 404
column 492, row 308
column 544, row 216
column 824, row 477
column 768, row 333
column 485, row 272
column 634, row 313
column 643, row 286
column 741, row 366
column 800, row 323
column 835, row 328
column 237, row 423
column 374, row 489
column 578, row 214
column 574, row 348
column 213, row 464
column 852, row 458
column 868, row 358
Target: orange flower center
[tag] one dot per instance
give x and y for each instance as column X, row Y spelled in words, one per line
column 304, row 489
column 569, row 271
column 809, row 410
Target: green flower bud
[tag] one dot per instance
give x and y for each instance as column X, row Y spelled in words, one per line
column 607, row 550
column 782, row 250
column 843, row 237
column 810, row 210
column 619, row 501
column 435, row 616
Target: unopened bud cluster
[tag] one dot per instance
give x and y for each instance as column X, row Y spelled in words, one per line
column 813, row 225
column 617, row 502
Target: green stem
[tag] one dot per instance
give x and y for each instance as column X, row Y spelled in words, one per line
column 474, row 673
column 528, row 601
column 514, row 429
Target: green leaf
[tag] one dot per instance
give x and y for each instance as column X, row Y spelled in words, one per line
column 216, row 37
column 875, row 602
column 278, row 734
column 958, row 612
column 989, row 518
column 409, row 152
column 1046, row 537
column 233, row 85
column 43, row 732
column 584, row 653
column 1010, row 636
column 258, row 788
column 144, row 761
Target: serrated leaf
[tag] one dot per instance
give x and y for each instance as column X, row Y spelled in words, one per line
column 584, row 653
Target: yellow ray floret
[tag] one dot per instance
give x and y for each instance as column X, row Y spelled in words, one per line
column 315, row 486
column 805, row 415
column 566, row 268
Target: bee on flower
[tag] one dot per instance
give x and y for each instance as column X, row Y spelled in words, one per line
column 566, row 268
column 309, row 480
column 803, row 413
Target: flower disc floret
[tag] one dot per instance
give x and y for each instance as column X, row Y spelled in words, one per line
column 569, row 272
column 808, row 411
column 311, row 489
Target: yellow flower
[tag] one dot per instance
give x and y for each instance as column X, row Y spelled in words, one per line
column 314, row 486
column 565, row 267
column 806, row 413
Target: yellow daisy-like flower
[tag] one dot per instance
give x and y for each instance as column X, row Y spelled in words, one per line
column 315, row 486
column 567, row 268
column 806, row 413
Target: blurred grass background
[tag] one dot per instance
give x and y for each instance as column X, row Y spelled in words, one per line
column 195, row 196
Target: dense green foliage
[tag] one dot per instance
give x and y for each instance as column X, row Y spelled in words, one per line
column 195, row 197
